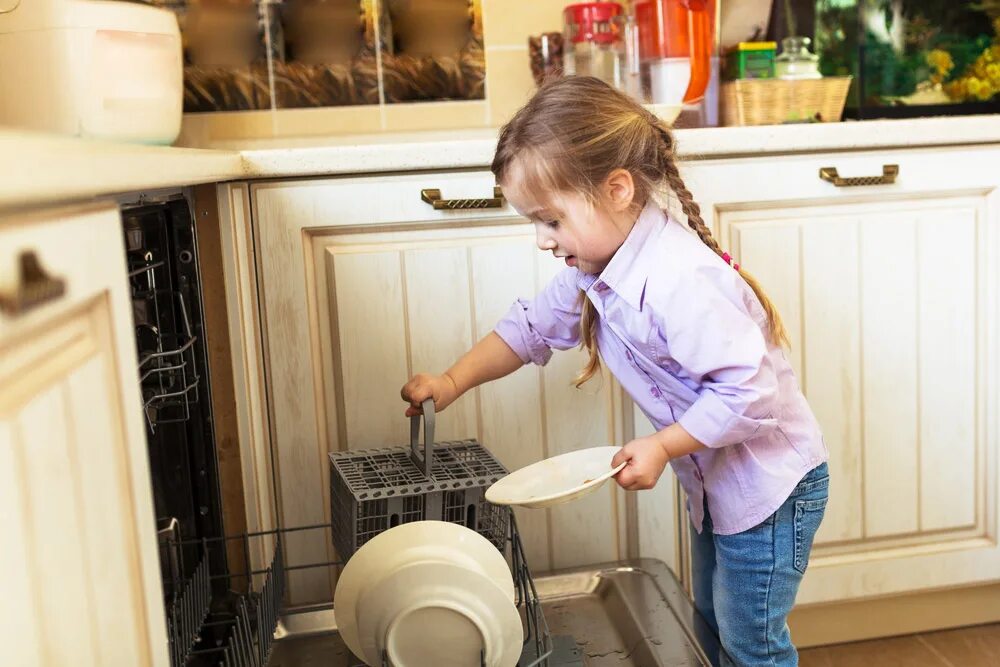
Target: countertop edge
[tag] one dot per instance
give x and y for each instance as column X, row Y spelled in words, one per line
column 339, row 156
column 37, row 168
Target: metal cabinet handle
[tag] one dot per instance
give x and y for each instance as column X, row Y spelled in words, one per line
column 889, row 173
column 433, row 197
column 35, row 287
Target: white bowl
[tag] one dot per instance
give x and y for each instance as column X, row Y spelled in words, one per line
column 440, row 615
column 556, row 480
column 406, row 544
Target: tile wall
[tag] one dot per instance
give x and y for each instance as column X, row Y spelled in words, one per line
column 377, row 86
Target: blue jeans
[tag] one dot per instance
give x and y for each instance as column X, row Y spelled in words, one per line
column 745, row 584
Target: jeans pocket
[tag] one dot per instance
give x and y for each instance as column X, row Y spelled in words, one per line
column 808, row 515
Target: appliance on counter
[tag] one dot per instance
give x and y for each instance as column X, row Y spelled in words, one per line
column 91, row 68
column 594, row 41
column 677, row 51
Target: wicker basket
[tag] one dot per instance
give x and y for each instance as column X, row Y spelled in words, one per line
column 775, row 101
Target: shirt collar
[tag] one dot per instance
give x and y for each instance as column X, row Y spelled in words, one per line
column 628, row 269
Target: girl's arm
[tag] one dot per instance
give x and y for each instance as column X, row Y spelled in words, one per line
column 526, row 334
column 489, row 359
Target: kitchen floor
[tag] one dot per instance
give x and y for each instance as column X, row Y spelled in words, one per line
column 977, row 646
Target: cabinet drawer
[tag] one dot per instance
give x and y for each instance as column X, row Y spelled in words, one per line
column 380, row 200
column 792, row 180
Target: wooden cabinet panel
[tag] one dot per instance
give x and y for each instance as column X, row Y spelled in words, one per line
column 77, row 519
column 888, row 332
column 949, row 386
column 511, row 420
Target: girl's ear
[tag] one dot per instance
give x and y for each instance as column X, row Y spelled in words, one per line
column 619, row 190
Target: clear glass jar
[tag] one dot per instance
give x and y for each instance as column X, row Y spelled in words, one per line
column 795, row 61
column 593, row 41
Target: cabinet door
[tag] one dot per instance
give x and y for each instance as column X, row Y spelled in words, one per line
column 363, row 285
column 81, row 579
column 889, row 293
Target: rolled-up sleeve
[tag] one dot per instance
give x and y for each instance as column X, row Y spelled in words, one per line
column 550, row 321
column 711, row 333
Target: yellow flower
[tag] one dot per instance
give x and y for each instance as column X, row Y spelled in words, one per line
column 972, row 87
column 940, row 60
column 993, row 71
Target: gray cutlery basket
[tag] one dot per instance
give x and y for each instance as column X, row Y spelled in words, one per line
column 374, row 490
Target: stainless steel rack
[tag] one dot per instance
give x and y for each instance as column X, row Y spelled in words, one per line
column 167, row 370
column 238, row 629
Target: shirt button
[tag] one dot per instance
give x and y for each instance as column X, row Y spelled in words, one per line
column 655, row 391
column 601, row 286
column 628, row 354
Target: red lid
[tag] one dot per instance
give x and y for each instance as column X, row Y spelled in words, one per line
column 587, row 19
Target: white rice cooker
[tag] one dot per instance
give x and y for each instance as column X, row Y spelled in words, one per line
column 91, row 68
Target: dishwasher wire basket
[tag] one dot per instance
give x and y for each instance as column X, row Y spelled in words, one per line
column 238, row 629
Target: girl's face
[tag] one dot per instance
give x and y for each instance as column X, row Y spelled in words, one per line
column 569, row 226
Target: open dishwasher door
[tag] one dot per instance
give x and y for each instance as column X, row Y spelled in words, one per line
column 627, row 613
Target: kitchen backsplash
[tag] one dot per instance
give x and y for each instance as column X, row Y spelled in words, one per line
column 242, row 55
column 264, row 68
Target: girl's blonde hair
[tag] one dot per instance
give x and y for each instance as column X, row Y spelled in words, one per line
column 571, row 135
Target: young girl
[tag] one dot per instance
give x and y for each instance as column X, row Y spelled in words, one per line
column 689, row 334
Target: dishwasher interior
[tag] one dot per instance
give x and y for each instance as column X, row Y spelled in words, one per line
column 222, row 611
column 631, row 613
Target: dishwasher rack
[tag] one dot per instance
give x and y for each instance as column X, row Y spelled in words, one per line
column 236, row 628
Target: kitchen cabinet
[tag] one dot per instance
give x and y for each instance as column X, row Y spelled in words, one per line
column 363, row 284
column 889, row 292
column 81, row 575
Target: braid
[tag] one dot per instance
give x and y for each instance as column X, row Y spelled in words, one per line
column 588, row 341
column 692, row 212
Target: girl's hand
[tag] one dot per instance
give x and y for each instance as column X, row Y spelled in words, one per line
column 423, row 386
column 646, row 460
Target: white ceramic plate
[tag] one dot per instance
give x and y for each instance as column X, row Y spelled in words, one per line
column 440, row 615
column 419, row 541
column 556, row 480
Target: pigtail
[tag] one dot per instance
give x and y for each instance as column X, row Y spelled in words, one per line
column 588, row 341
column 776, row 329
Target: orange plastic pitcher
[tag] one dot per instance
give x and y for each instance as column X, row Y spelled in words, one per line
column 679, row 29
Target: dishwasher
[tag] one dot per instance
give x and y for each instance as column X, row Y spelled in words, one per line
column 220, row 611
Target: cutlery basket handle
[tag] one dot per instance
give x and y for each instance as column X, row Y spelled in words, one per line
column 425, row 461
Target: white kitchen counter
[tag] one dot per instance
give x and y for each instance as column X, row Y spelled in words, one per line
column 474, row 148
column 38, row 168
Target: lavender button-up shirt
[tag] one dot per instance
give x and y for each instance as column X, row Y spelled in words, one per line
column 686, row 337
